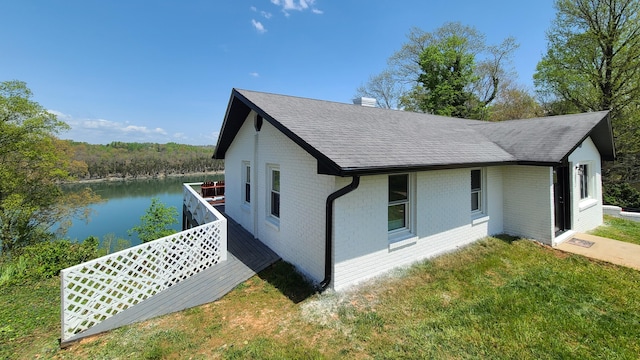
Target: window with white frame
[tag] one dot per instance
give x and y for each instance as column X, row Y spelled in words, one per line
column 476, row 191
column 246, row 178
column 583, row 175
column 274, row 192
column 399, row 203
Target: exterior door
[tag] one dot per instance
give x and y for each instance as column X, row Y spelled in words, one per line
column 561, row 199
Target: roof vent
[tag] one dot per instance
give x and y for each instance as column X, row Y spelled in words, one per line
column 365, row 101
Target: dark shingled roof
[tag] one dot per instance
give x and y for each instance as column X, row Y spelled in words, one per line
column 550, row 139
column 349, row 139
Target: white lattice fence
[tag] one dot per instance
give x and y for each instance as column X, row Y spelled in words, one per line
column 99, row 289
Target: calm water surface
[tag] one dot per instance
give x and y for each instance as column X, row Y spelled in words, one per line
column 126, row 201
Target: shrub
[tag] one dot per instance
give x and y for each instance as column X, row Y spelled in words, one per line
column 156, row 222
column 46, row 259
column 621, row 194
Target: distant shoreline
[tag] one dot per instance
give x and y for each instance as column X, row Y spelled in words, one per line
column 146, row 177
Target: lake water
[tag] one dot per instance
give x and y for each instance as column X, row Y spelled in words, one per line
column 126, row 201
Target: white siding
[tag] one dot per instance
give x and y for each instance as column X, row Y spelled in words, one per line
column 496, row 199
column 241, row 150
column 442, row 210
column 299, row 238
column 528, row 202
column 586, row 213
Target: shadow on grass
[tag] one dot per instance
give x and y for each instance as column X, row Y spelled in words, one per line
column 284, row 277
column 507, row 238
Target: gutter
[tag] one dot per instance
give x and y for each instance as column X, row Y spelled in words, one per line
column 328, row 229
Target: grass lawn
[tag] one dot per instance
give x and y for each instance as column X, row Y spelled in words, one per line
column 619, row 229
column 498, row 298
column 29, row 319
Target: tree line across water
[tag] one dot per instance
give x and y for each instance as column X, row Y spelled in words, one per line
column 135, row 160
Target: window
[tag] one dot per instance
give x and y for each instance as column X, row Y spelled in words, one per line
column 583, row 173
column 247, row 182
column 476, row 191
column 398, row 212
column 274, row 198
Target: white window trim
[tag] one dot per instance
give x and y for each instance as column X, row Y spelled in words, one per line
column 246, row 180
column 406, row 235
column 272, row 219
column 482, row 204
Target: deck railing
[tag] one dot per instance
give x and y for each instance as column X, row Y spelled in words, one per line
column 199, row 209
column 99, row 289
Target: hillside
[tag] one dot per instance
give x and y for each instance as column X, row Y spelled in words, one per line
column 134, row 160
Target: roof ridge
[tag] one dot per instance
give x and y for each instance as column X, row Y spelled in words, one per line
column 369, row 108
column 577, row 115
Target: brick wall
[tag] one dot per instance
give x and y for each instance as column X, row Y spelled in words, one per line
column 442, row 210
column 586, row 213
column 241, row 149
column 528, row 202
column 299, row 238
column 518, row 201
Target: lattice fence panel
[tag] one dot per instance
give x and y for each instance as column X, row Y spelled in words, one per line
column 99, row 289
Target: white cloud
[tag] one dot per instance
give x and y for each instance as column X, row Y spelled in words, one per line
column 98, row 124
column 101, row 131
column 264, row 14
column 298, row 5
column 58, row 114
column 140, row 129
column 214, row 136
column 258, row 26
column 254, row 74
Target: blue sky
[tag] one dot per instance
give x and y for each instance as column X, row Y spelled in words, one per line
column 162, row 71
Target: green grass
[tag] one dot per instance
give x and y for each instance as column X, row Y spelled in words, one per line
column 29, row 318
column 619, row 229
column 509, row 300
column 499, row 298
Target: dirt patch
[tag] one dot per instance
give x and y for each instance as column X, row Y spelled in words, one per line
column 560, row 254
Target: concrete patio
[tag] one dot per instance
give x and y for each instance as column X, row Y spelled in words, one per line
column 599, row 248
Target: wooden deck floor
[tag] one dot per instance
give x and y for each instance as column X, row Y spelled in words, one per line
column 246, row 257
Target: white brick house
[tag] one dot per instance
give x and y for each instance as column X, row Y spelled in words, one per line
column 347, row 192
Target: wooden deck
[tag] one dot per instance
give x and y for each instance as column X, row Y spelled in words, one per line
column 246, row 257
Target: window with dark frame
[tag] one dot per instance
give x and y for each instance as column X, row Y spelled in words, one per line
column 275, row 193
column 476, row 190
column 247, row 184
column 583, row 171
column 398, row 208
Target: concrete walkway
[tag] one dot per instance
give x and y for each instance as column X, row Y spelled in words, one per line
column 595, row 247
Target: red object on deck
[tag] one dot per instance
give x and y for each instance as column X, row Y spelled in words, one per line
column 214, row 191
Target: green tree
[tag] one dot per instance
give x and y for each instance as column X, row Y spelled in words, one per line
column 447, row 72
column 514, row 103
column 156, row 222
column 593, row 55
column 33, row 162
column 593, row 63
column 454, row 53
